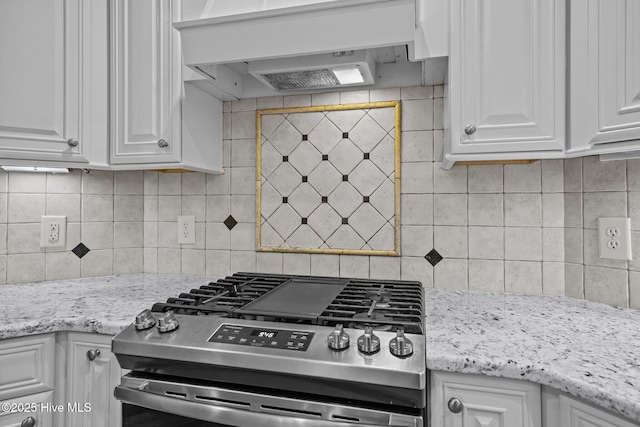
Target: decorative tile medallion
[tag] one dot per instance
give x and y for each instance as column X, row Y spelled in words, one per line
column 329, row 179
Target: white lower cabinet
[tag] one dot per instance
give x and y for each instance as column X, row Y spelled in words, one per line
column 561, row 410
column 461, row 400
column 27, row 381
column 92, row 374
column 33, row 410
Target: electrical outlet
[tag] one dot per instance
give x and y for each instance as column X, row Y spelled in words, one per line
column 187, row 230
column 614, row 238
column 53, row 232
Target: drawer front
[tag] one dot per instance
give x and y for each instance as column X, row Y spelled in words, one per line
column 37, row 406
column 26, row 365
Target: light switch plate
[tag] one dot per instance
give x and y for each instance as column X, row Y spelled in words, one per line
column 614, row 238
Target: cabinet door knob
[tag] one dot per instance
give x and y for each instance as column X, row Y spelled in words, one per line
column 162, row 143
column 92, row 354
column 72, row 142
column 28, row 422
column 455, row 405
column 470, row 129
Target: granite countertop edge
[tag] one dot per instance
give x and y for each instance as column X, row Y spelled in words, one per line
column 537, row 338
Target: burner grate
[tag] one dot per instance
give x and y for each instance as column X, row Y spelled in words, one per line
column 357, row 303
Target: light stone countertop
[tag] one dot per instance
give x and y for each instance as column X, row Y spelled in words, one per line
column 586, row 349
column 104, row 305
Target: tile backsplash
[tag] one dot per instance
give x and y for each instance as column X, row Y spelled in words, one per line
column 516, row 228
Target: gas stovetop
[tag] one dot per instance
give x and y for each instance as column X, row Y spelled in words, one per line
column 384, row 305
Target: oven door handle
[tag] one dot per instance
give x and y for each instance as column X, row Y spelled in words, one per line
column 223, row 414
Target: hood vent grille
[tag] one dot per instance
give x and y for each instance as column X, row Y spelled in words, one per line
column 302, row 79
column 353, row 68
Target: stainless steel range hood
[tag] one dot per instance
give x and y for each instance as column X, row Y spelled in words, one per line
column 303, row 48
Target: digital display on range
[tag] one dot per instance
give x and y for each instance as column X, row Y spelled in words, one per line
column 271, row 338
column 263, row 333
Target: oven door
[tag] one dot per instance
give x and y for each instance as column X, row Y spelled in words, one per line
column 153, row 402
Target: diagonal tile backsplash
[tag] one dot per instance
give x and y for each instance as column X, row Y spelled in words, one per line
column 328, row 179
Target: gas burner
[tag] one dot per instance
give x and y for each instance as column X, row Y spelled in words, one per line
column 378, row 321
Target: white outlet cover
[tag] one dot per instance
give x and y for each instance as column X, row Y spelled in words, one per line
column 614, row 238
column 45, row 227
column 187, row 230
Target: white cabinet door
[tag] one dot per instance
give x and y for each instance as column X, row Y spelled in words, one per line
column 26, row 365
column 91, row 379
column 484, row 401
column 145, row 82
column 575, row 413
column 34, row 408
column 506, row 76
column 605, row 75
column 41, row 80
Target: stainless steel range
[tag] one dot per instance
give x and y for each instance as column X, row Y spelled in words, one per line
column 278, row 350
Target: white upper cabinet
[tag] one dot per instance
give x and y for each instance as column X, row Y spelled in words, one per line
column 605, row 76
column 145, row 81
column 52, row 80
column 506, row 79
column 157, row 121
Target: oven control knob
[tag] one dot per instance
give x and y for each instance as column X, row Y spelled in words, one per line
column 400, row 346
column 167, row 322
column 368, row 342
column 144, row 320
column 338, row 339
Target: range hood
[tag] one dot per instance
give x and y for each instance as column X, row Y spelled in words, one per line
column 311, row 46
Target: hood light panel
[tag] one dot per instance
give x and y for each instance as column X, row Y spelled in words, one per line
column 349, row 75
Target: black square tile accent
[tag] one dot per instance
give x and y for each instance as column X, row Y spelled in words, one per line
column 230, row 222
column 305, row 137
column 80, row 250
column 304, row 220
column 365, row 199
column 285, row 158
column 366, row 156
column 285, row 200
column 433, row 257
column 345, row 177
column 345, row 220
column 325, row 157
column 304, row 179
column 325, row 199
column 345, row 135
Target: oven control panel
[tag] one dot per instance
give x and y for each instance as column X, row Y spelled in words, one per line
column 263, row 337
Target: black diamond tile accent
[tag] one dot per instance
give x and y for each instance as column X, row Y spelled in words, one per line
column 230, row 222
column 304, row 220
column 365, row 199
column 285, row 158
column 305, row 137
column 325, row 157
column 325, row 199
column 80, row 250
column 285, row 200
column 345, row 220
column 345, row 177
column 304, row 179
column 366, row 156
column 345, row 135
column 433, row 257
